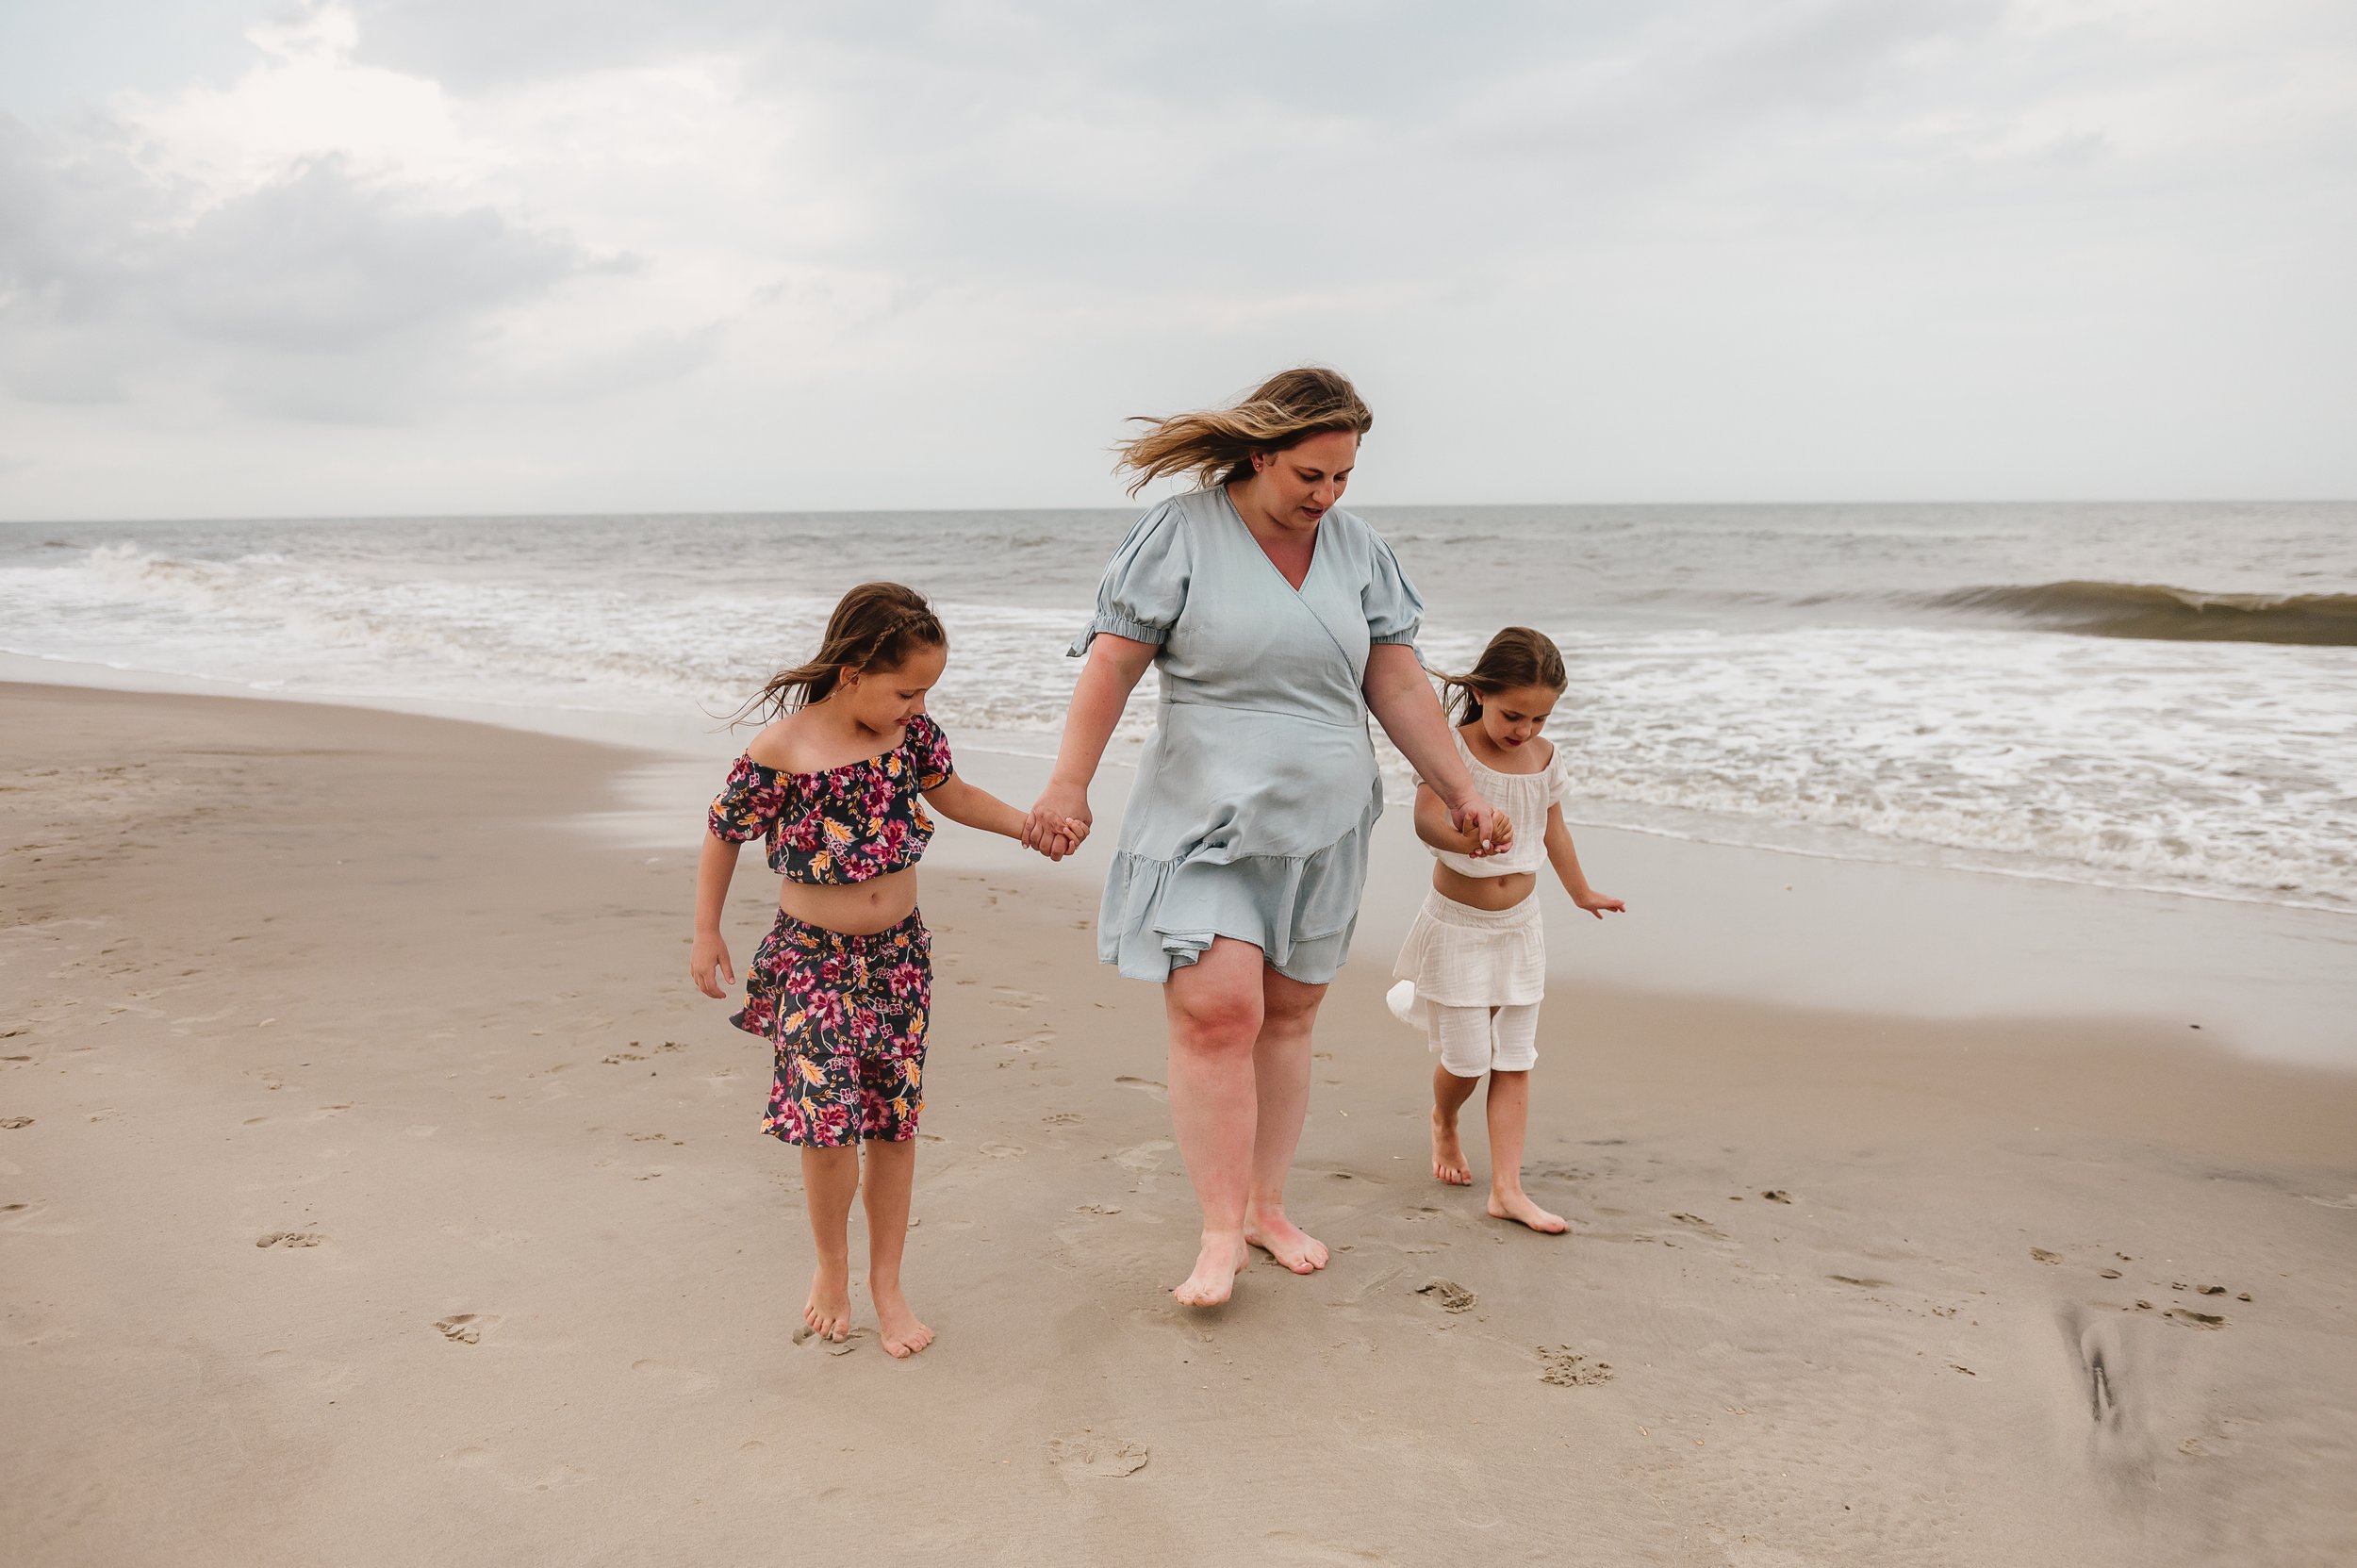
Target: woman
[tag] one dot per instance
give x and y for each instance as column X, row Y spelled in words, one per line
column 1279, row 622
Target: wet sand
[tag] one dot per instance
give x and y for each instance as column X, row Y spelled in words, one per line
column 375, row 1189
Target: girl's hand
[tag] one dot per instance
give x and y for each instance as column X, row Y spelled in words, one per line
column 1062, row 839
column 1596, row 903
column 1061, row 808
column 709, row 953
column 1490, row 830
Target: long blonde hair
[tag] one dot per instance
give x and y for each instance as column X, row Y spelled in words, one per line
column 875, row 626
column 1216, row 445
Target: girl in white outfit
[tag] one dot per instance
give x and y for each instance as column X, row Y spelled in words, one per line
column 1474, row 964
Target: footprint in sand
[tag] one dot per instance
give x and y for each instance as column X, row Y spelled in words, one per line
column 805, row 1334
column 1448, row 1294
column 1146, row 1086
column 1097, row 1209
column 1144, row 1157
column 2192, row 1319
column 27, row 1219
column 685, row 1379
column 290, row 1238
column 1698, row 1222
column 1060, row 1118
column 12, row 1123
column 1559, row 1366
column 1007, row 995
column 467, row 1327
column 1776, row 1195
column 1084, row 1453
column 1003, row 1152
column 1862, row 1281
column 2045, row 1257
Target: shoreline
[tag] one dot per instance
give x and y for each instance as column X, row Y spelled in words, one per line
column 1779, row 926
column 682, row 738
column 375, row 1151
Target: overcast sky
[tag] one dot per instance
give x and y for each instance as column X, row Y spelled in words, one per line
column 455, row 256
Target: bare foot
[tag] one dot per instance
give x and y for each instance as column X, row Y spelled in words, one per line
column 829, row 1309
column 903, row 1336
column 1216, row 1266
column 1517, row 1206
column 1448, row 1154
column 1286, row 1242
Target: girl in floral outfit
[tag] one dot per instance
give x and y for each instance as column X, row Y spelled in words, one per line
column 842, row 987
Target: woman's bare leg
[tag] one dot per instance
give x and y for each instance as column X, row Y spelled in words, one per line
column 1280, row 1069
column 830, row 1180
column 891, row 1173
column 1214, row 1009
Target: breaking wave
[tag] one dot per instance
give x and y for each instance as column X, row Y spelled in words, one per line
column 2157, row 611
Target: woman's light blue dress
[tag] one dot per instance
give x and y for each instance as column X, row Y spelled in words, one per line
column 1257, row 794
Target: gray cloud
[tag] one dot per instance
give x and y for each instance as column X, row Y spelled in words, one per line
column 318, row 264
column 316, row 296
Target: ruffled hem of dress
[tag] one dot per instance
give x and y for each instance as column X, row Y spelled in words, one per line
column 1299, row 910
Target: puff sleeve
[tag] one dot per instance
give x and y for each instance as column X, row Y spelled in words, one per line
column 929, row 747
column 1144, row 588
column 748, row 804
column 1559, row 776
column 1393, row 607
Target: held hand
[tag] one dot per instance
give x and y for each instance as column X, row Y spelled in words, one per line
column 1596, row 903
column 1489, row 830
column 708, row 954
column 1059, row 840
column 1059, row 808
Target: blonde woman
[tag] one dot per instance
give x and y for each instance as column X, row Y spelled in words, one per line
column 1280, row 622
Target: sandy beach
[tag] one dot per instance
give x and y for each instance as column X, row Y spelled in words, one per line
column 374, row 1189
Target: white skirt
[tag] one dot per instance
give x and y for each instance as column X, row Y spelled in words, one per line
column 1460, row 956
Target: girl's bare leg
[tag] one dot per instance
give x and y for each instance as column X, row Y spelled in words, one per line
column 1449, row 1095
column 891, row 1173
column 1510, row 1124
column 1215, row 1010
column 830, row 1180
column 1281, row 1071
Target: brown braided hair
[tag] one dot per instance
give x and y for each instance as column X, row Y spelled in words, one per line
column 1215, row 446
column 1517, row 656
column 875, row 626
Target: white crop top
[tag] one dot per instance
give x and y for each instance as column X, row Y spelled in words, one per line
column 1525, row 798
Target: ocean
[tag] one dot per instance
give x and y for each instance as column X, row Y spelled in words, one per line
column 2148, row 695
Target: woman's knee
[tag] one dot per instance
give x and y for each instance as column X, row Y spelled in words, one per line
column 1288, row 1004
column 1215, row 1025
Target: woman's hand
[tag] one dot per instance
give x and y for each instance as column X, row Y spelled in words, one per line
column 1060, row 818
column 1483, row 824
column 1059, row 838
column 708, row 954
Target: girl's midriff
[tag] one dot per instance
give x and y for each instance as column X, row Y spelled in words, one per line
column 855, row 908
column 1490, row 893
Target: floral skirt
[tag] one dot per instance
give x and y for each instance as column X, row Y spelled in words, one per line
column 846, row 1015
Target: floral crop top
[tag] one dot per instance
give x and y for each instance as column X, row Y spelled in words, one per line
column 845, row 824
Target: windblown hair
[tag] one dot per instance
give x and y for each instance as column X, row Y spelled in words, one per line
column 1517, row 656
column 1216, row 446
column 875, row 626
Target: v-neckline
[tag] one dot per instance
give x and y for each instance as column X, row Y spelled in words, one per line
column 1317, row 544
